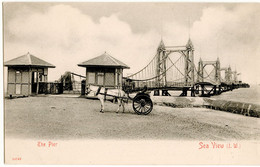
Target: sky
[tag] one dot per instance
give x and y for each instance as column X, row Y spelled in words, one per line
column 66, row 34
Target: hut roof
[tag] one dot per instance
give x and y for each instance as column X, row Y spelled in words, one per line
column 28, row 60
column 103, row 60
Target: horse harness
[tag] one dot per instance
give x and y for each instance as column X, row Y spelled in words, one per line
column 105, row 92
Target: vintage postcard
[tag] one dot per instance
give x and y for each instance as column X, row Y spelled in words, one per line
column 131, row 83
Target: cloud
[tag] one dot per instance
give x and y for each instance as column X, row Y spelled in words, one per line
column 232, row 35
column 63, row 36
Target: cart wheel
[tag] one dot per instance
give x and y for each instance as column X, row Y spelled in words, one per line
column 142, row 104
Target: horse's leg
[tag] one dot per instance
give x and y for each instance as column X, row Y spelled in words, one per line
column 123, row 104
column 102, row 105
column 119, row 104
column 101, row 99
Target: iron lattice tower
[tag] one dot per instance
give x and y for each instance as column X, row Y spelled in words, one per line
column 228, row 75
column 189, row 64
column 200, row 77
column 161, row 65
column 162, row 54
column 203, row 64
column 217, row 72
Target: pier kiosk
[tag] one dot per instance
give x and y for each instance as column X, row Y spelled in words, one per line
column 104, row 70
column 25, row 73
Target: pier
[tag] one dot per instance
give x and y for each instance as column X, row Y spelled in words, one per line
column 173, row 68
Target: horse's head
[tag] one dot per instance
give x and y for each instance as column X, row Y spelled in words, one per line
column 93, row 88
column 90, row 88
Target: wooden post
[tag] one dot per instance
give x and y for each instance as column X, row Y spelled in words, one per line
column 120, row 77
column 45, row 72
column 104, row 78
column 37, row 81
column 86, row 81
column 7, row 87
column 116, row 78
column 21, row 81
column 29, row 81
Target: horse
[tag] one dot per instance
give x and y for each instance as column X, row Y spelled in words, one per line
column 102, row 93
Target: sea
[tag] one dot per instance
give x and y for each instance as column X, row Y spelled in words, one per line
column 248, row 95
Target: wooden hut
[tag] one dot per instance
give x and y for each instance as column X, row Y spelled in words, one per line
column 25, row 73
column 104, row 70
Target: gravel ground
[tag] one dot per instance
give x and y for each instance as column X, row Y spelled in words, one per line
column 57, row 117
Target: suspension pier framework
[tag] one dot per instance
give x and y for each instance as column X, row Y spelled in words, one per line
column 173, row 68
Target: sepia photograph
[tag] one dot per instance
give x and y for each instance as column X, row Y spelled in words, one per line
column 131, row 83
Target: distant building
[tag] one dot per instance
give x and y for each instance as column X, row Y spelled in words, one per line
column 25, row 73
column 104, row 70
